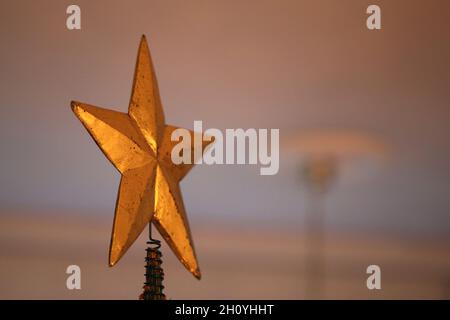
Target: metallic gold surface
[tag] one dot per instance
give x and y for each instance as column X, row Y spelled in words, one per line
column 138, row 144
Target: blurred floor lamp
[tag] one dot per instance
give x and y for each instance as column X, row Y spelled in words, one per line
column 323, row 155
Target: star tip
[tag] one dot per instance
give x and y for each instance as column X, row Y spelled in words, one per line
column 112, row 260
column 143, row 39
column 75, row 106
column 197, row 274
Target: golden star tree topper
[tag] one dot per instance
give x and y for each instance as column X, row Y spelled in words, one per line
column 138, row 144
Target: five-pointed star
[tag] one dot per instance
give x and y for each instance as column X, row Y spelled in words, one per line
column 139, row 145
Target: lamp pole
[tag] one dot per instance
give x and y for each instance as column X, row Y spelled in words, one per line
column 319, row 173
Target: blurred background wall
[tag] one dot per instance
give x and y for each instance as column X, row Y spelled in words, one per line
column 300, row 66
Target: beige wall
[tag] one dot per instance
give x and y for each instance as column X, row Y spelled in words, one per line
column 288, row 64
